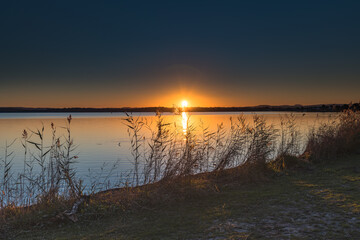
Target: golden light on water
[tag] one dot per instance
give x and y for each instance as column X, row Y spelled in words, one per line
column 184, row 104
column 184, row 116
column 184, row 121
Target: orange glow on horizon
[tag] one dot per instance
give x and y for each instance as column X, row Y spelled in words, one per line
column 192, row 99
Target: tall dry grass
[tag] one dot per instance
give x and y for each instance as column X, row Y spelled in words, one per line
column 170, row 153
column 339, row 136
column 166, row 152
column 47, row 175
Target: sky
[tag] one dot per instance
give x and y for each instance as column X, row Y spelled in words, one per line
column 157, row 53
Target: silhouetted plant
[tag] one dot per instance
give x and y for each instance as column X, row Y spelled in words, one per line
column 262, row 139
column 340, row 135
column 135, row 124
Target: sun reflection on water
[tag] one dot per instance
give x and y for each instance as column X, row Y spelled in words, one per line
column 184, row 120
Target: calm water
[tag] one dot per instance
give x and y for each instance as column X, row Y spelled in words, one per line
column 101, row 138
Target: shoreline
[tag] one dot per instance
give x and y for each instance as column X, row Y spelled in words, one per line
column 261, row 108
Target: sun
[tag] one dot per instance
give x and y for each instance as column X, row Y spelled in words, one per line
column 184, row 103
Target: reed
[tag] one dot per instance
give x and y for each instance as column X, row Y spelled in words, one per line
column 173, row 153
column 165, row 153
column 289, row 146
column 339, row 136
column 135, row 124
column 7, row 183
column 47, row 175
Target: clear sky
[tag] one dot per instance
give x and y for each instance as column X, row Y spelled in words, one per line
column 156, row 53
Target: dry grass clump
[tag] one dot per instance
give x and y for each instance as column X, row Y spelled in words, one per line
column 48, row 180
column 172, row 153
column 289, row 146
column 337, row 137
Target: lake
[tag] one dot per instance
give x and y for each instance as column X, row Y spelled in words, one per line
column 102, row 138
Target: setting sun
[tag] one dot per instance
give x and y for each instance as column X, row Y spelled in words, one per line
column 184, row 103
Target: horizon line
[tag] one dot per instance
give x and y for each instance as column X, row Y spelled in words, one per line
column 128, row 107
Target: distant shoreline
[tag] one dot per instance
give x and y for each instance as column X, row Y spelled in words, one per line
column 261, row 108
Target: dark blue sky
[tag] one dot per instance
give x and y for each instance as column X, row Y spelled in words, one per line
column 140, row 53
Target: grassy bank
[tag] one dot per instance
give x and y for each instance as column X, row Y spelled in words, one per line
column 312, row 203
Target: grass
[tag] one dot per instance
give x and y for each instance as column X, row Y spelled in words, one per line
column 317, row 203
